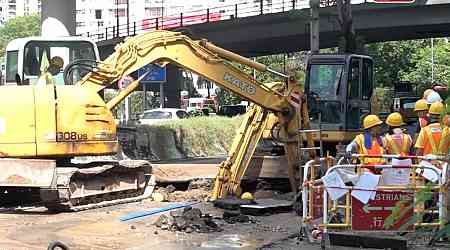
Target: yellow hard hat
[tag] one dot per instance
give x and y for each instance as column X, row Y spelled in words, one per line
column 436, row 108
column 247, row 196
column 394, row 120
column 426, row 93
column 371, row 121
column 421, row 105
column 57, row 61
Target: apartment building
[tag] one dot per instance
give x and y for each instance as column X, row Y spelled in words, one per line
column 13, row 8
column 94, row 16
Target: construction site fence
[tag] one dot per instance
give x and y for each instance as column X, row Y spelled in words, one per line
column 416, row 184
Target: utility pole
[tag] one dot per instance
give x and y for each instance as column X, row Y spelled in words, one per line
column 345, row 20
column 432, row 60
column 314, row 24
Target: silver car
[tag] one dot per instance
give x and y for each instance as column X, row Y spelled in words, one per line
column 162, row 114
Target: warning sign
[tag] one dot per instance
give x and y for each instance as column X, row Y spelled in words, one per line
column 317, row 203
column 372, row 216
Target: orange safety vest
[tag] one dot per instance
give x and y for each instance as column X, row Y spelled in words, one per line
column 376, row 149
column 394, row 147
column 434, row 139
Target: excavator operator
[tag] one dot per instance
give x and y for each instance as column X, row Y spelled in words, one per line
column 56, row 64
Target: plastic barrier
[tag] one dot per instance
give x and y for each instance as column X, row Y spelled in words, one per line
column 371, row 214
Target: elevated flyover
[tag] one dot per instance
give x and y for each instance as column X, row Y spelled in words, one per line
column 288, row 30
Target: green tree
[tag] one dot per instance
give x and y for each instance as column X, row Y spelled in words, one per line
column 18, row 27
column 225, row 97
column 393, row 59
column 292, row 64
column 422, row 72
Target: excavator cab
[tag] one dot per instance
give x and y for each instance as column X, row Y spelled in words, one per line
column 25, row 58
column 339, row 88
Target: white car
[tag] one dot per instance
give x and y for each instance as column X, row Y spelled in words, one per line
column 162, row 114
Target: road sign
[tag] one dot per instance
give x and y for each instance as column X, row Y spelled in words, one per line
column 394, row 1
column 124, row 82
column 371, row 216
column 156, row 74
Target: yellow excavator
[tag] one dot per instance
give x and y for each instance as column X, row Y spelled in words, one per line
column 50, row 132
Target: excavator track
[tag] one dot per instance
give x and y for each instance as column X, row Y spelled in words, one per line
column 104, row 201
column 99, row 184
column 80, row 185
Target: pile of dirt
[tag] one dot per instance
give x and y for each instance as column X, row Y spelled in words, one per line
column 189, row 220
column 198, row 190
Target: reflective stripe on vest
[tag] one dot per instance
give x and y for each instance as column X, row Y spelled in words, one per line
column 438, row 144
column 375, row 150
column 395, row 147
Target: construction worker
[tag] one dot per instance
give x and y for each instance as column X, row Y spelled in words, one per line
column 434, row 138
column 433, row 97
column 426, row 93
column 369, row 143
column 446, row 119
column 56, row 64
column 395, row 141
column 421, row 109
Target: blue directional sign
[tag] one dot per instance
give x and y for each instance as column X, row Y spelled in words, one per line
column 156, row 74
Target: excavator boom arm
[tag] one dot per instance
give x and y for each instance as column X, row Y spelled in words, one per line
column 164, row 47
column 214, row 64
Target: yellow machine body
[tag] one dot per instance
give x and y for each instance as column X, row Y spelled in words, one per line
column 54, row 121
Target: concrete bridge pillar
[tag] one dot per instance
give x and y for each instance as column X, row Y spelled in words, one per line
column 172, row 87
column 58, row 17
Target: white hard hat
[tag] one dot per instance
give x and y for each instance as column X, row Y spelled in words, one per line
column 433, row 97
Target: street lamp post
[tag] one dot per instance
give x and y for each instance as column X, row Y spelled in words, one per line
column 432, row 60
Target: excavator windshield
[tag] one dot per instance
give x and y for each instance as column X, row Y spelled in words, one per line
column 339, row 87
column 29, row 58
column 325, row 79
column 324, row 85
column 39, row 53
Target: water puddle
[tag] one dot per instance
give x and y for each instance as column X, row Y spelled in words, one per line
column 227, row 241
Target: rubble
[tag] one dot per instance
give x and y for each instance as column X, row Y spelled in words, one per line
column 191, row 195
column 189, row 220
column 159, row 197
column 233, row 216
column 206, row 184
column 197, row 190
